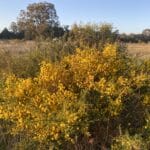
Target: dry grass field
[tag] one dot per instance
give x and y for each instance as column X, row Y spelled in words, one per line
column 16, row 46
column 139, row 50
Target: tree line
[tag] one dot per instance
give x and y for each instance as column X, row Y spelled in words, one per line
column 136, row 38
column 40, row 20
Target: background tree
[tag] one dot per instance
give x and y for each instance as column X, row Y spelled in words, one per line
column 14, row 27
column 38, row 19
column 93, row 35
column 146, row 32
column 6, row 34
column 107, row 34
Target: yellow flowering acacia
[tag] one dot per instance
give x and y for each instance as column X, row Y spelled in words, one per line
column 110, row 50
column 67, row 98
column 40, row 113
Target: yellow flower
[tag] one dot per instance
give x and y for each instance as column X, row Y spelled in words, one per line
column 110, row 50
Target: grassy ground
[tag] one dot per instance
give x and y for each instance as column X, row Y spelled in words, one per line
column 16, row 46
column 140, row 50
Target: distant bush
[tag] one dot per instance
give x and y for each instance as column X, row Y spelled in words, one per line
column 93, row 35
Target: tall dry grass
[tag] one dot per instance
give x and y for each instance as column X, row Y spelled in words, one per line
column 139, row 50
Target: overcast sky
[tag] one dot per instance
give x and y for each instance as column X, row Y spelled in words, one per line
column 130, row 16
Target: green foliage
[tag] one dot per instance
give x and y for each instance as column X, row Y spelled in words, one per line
column 28, row 64
column 37, row 20
column 127, row 142
column 93, row 35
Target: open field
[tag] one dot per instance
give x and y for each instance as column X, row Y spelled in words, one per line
column 16, row 46
column 140, row 50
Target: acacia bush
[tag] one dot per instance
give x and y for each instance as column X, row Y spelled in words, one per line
column 79, row 102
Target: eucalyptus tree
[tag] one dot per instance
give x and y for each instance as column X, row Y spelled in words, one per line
column 38, row 20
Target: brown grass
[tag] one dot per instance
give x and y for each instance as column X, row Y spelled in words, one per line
column 16, row 46
column 139, row 50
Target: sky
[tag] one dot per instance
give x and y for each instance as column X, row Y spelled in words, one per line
column 128, row 16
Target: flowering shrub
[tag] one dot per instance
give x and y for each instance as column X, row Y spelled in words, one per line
column 126, row 142
column 86, row 95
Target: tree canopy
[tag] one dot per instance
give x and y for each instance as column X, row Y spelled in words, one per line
column 37, row 19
